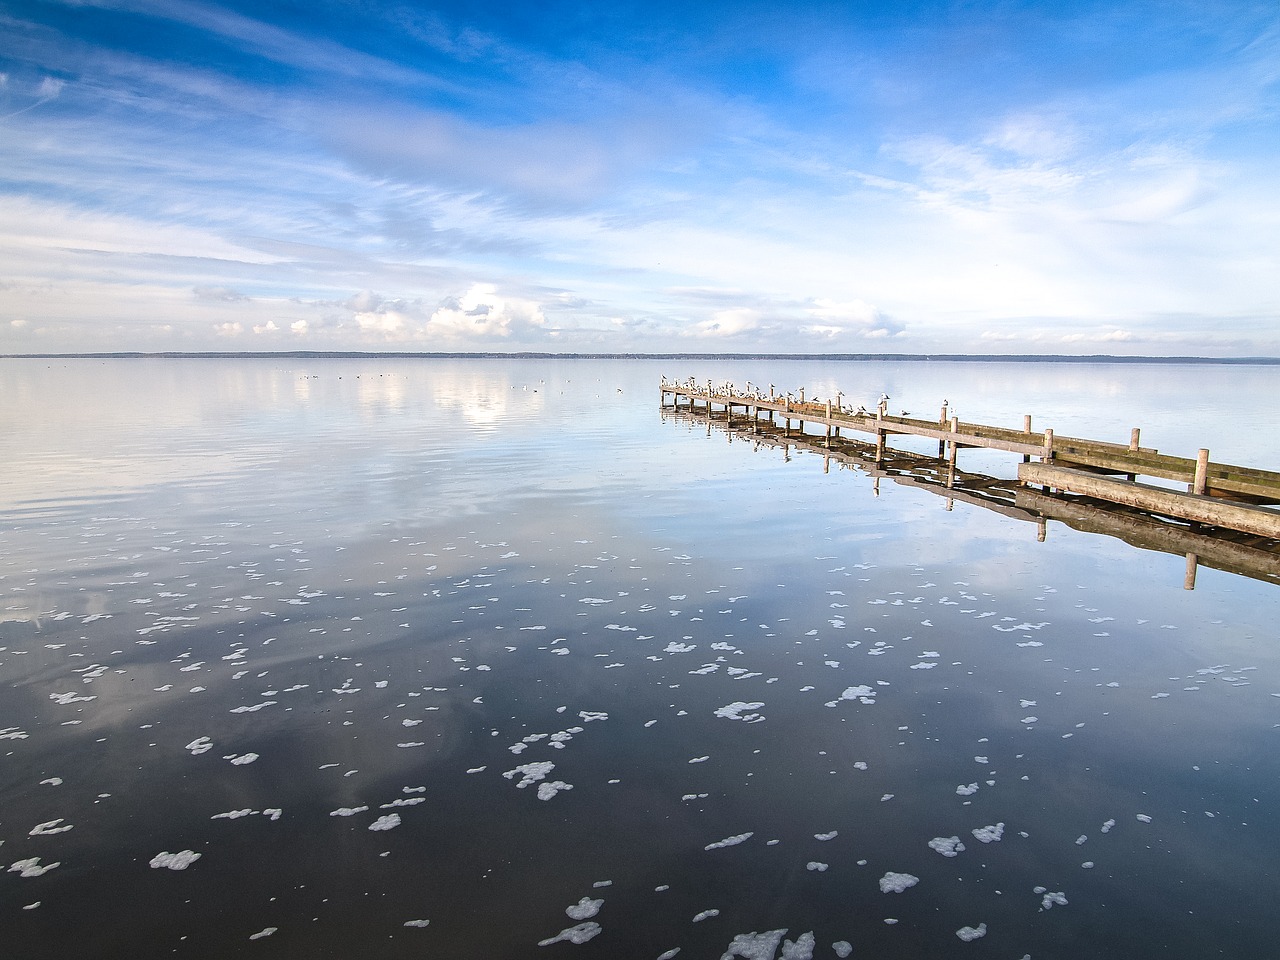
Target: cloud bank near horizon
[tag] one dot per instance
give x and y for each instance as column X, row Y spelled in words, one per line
column 926, row 177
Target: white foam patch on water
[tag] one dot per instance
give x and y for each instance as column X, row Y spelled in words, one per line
column 49, row 828
column 730, row 841
column 32, row 867
column 584, row 909
column 1143, row 818
column 738, row 711
column 51, row 782
column 754, row 946
column 817, row 865
column 969, row 934
column 801, row 949
column 579, row 934
column 1106, row 827
column 233, row 814
column 264, row 932
column 826, row 836
column 174, row 861
column 706, row 915
column 989, row 834
column 416, row 923
column 402, row 802
column 967, row 790
column 947, row 846
column 243, row 759
column 1049, row 899
column 530, row 772
column 12, row 733
column 843, row 948
column 669, row 954
column 347, row 811
column 199, row 745
column 388, row 822
column 255, row 708
column 897, row 882
column 550, row 788
column 676, row 647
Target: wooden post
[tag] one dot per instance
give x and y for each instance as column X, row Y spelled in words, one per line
column 1026, row 428
column 1048, row 445
column 1189, row 581
column 828, row 425
column 1042, row 529
column 951, row 457
column 1133, row 439
column 802, row 394
column 1202, row 472
column 942, row 419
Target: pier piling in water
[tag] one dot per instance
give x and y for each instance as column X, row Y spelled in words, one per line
column 1218, row 495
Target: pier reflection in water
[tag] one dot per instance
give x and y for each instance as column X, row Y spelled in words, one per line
column 1239, row 552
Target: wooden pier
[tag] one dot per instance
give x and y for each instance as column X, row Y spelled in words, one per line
column 1210, row 497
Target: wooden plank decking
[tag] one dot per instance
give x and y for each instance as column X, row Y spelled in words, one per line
column 1221, row 495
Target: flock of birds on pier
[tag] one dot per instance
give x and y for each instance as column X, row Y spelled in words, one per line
column 756, row 392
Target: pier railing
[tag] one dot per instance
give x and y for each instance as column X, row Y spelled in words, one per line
column 1216, row 495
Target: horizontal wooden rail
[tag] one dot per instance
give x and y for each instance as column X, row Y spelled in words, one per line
column 1197, row 508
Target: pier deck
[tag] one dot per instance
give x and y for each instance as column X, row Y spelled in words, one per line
column 1216, row 494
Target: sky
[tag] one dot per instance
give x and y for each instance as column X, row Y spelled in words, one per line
column 872, row 176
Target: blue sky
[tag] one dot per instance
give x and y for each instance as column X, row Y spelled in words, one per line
column 905, row 177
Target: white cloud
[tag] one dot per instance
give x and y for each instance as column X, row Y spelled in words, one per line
column 49, row 88
column 730, row 323
column 852, row 318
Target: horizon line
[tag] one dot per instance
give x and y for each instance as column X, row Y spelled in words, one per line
column 622, row 355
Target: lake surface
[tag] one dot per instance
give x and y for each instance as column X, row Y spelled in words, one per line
column 490, row 658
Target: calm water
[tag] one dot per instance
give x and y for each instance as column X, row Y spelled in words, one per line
column 488, row 659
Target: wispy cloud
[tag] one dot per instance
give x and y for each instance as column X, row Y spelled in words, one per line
column 1006, row 181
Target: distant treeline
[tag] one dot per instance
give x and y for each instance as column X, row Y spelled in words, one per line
column 533, row 355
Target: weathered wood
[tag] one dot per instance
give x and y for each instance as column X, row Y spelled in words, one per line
column 1223, row 481
column 1247, row 554
column 1171, row 503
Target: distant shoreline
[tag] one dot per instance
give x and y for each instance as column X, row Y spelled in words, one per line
column 533, row 355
